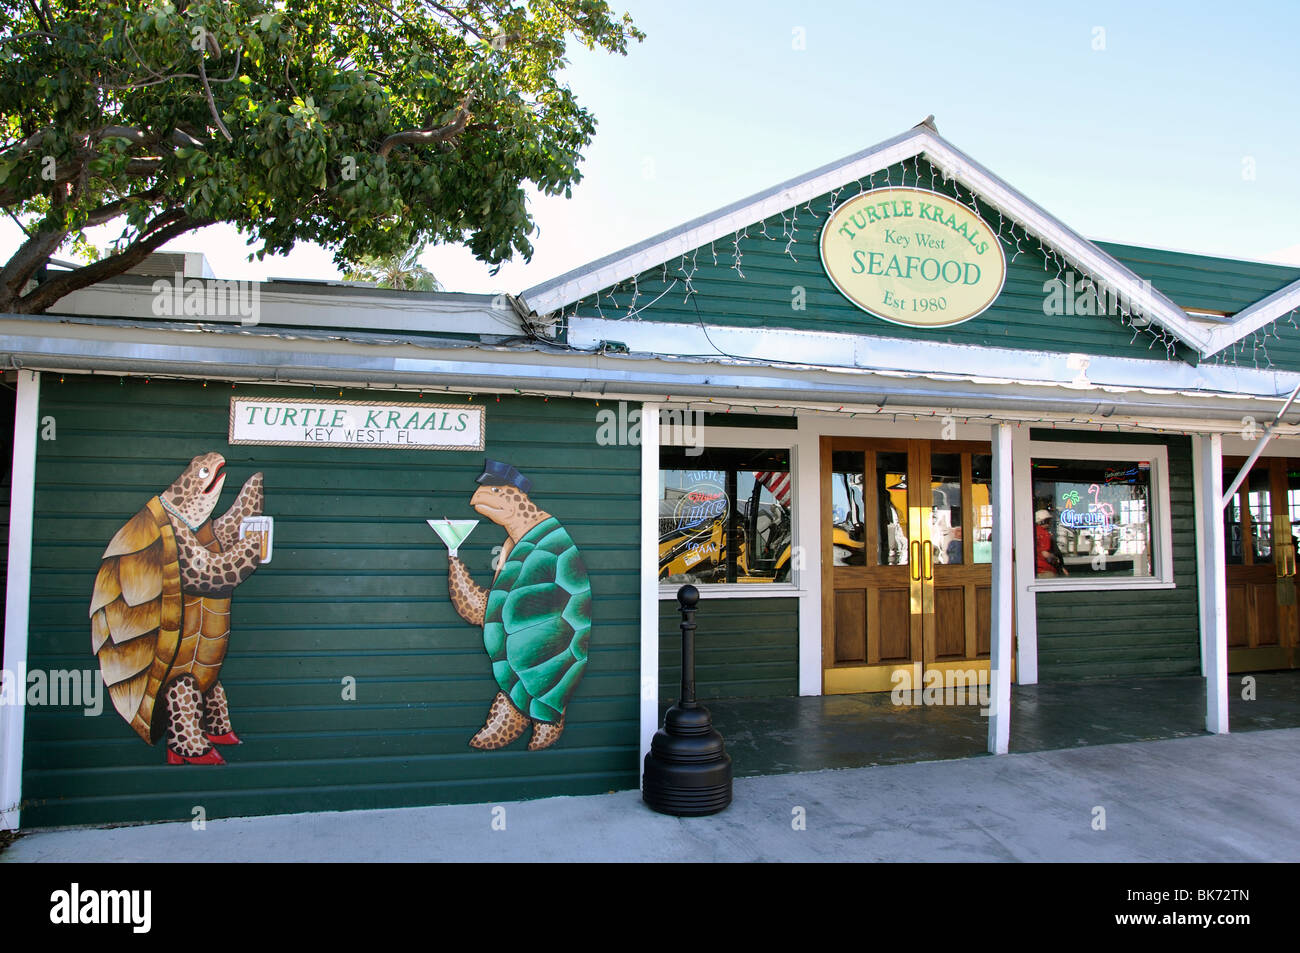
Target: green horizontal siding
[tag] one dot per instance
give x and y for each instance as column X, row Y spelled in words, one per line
column 357, row 587
column 744, row 648
column 764, row 296
column 1129, row 632
column 1204, row 282
column 1275, row 346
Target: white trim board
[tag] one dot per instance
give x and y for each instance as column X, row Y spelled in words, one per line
column 1251, row 319
column 17, row 595
column 869, row 352
column 920, row 141
column 649, row 712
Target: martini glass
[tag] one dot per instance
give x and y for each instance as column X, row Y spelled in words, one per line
column 452, row 532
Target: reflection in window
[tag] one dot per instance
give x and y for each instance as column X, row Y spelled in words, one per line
column 945, row 508
column 848, row 529
column 724, row 516
column 891, row 511
column 1259, row 501
column 981, row 472
column 1092, row 518
column 1233, row 531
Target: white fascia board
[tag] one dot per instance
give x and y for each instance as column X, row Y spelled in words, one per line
column 964, row 361
column 1077, row 250
column 306, row 306
column 1249, row 320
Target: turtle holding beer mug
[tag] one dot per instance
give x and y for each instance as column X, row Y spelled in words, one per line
column 160, row 612
column 536, row 617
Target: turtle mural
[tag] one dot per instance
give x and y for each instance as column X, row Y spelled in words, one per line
column 160, row 612
column 536, row 617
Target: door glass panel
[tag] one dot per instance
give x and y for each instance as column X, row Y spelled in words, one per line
column 891, row 494
column 1261, row 514
column 1293, row 500
column 848, row 529
column 945, row 508
column 1233, row 531
column 981, row 476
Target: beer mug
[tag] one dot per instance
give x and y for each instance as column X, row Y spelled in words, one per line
column 263, row 527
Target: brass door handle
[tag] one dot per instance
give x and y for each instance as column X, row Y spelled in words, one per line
column 929, row 560
column 914, row 550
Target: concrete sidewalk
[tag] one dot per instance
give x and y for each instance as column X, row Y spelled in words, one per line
column 1208, row 798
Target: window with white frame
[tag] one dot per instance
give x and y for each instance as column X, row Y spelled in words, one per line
column 1100, row 515
column 725, row 515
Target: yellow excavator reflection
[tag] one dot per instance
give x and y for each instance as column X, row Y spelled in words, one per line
column 700, row 554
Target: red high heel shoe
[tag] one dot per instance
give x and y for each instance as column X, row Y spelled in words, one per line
column 211, row 757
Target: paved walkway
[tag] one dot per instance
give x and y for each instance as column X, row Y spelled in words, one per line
column 1207, row 798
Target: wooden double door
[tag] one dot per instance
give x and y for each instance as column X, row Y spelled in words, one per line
column 1260, row 525
column 906, row 561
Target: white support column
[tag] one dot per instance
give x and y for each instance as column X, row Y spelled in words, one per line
column 1204, row 575
column 649, row 578
column 1003, row 573
column 17, row 596
column 1212, row 571
column 1022, row 518
column 808, row 571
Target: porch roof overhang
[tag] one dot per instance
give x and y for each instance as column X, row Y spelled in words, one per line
column 305, row 357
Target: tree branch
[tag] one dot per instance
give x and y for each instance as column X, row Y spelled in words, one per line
column 111, row 210
column 50, row 291
column 212, row 105
column 27, row 260
column 428, row 136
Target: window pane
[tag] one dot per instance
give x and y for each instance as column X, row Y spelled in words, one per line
column 1092, row 518
column 891, row 513
column 981, row 474
column 724, row 516
column 848, row 528
column 945, row 508
column 1233, row 530
column 1259, row 500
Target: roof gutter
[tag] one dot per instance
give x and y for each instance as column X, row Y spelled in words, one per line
column 247, row 357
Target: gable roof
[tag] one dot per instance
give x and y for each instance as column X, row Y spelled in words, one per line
column 1205, row 286
column 1089, row 258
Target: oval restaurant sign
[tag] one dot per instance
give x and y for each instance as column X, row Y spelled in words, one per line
column 913, row 257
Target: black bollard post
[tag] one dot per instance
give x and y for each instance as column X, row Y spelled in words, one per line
column 688, row 771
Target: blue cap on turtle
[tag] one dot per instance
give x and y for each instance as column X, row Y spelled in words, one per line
column 496, row 473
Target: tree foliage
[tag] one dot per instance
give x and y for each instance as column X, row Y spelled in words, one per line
column 368, row 126
column 402, row 271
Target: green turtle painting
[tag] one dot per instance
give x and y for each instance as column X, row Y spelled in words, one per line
column 536, row 617
column 160, row 610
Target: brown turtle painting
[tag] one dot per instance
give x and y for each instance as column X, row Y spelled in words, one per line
column 160, row 612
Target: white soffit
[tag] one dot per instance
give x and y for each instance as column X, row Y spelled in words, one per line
column 1078, row 251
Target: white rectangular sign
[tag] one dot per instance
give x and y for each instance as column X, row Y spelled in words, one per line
column 286, row 422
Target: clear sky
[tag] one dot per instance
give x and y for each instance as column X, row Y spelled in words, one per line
column 1166, row 124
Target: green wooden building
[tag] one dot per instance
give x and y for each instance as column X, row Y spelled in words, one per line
column 899, row 425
